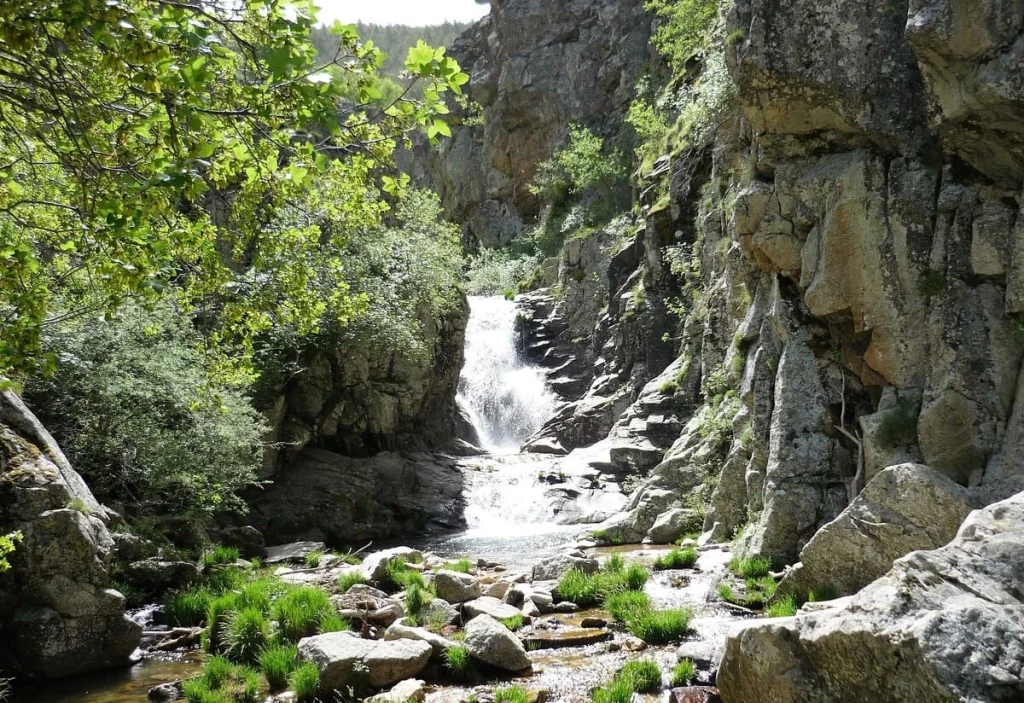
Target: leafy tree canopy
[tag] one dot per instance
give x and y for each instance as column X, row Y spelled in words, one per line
column 148, row 146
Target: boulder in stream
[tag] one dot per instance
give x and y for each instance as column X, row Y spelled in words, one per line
column 456, row 587
column 492, row 643
column 343, row 658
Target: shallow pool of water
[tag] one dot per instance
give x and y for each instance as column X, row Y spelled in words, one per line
column 129, row 685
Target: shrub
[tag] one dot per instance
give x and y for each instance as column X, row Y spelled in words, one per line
column 782, row 608
column 677, row 559
column 511, row 694
column 685, row 28
column 305, row 681
column 497, row 272
column 621, row 606
column 644, row 675
column 276, row 663
column 459, row 664
column 133, row 407
column 513, row 623
column 660, row 626
column 683, row 673
column 187, row 608
column 247, row 635
column 300, row 612
column 350, row 579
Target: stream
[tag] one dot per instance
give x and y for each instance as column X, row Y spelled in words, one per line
column 510, row 520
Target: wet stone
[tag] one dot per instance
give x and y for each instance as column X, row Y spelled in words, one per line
column 566, row 638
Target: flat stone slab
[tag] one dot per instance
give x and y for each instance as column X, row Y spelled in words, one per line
column 296, row 551
column 489, row 606
column 566, row 638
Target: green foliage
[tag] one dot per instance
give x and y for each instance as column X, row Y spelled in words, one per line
column 511, row 694
column 495, row 271
column 620, row 690
column 312, row 559
column 685, row 29
column 463, row 566
column 625, row 604
column 247, row 635
column 187, row 608
column 587, row 590
column 660, row 626
column 219, row 555
column 898, row 426
column 634, row 577
column 8, row 544
column 112, row 158
column 277, row 662
column 133, row 409
column 644, row 675
column 223, row 682
column 301, row 612
column 395, row 40
column 677, row 559
column 417, row 597
column 758, row 591
column 578, row 587
column 683, row 673
column 459, row 664
column 782, row 608
column 651, row 126
column 726, row 593
column 401, row 576
column 614, row 564
column 751, row 568
column 513, row 623
column 578, row 167
column 305, row 682
column 349, row 579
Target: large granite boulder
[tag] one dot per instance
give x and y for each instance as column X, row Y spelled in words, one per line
column 456, row 587
column 344, row 658
column 492, row 643
column 903, row 509
column 60, row 616
column 942, row 625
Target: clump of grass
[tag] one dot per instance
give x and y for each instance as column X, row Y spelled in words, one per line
column 459, row 664
column 513, row 623
column 823, row 593
column 726, row 593
column 300, row 612
column 621, row 606
column 461, row 565
column 587, row 590
column 350, row 579
column 644, row 675
column 220, row 555
column 578, row 587
column 277, row 662
column 221, row 682
column 333, row 623
column 259, row 594
column 511, row 694
column 782, row 608
column 400, row 576
column 634, row 577
column 752, row 567
column 247, row 635
column 677, row 559
column 618, row 691
column 416, row 599
column 217, row 616
column 614, row 564
column 187, row 608
column 683, row 673
column 305, row 682
column 660, row 626
column 313, row 558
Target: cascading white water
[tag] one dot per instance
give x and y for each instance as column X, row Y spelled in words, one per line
column 506, row 398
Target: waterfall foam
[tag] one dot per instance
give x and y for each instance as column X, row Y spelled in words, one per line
column 506, row 399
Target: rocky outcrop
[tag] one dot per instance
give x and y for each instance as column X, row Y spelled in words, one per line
column 942, row 625
column 904, row 509
column 323, row 495
column 345, row 659
column 59, row 615
column 535, row 68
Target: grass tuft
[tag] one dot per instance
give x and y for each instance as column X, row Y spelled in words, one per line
column 220, row 555
column 247, row 635
column 511, row 694
column 823, row 593
column 677, row 559
column 782, row 608
column 305, row 682
column 660, row 626
column 350, row 579
column 683, row 673
column 187, row 608
column 644, row 675
column 622, row 606
column 300, row 612
column 461, row 565
column 459, row 664
column 277, row 662
column 513, row 623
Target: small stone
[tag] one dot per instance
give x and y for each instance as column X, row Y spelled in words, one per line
column 695, row 694
column 614, row 647
column 165, row 692
column 593, row 622
column 634, row 644
column 408, row 691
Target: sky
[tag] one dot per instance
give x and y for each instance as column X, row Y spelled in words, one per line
column 411, row 12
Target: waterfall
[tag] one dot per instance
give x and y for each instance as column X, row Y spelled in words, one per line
column 506, row 398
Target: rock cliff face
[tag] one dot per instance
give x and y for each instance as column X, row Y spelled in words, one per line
column 535, row 66
column 58, row 614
